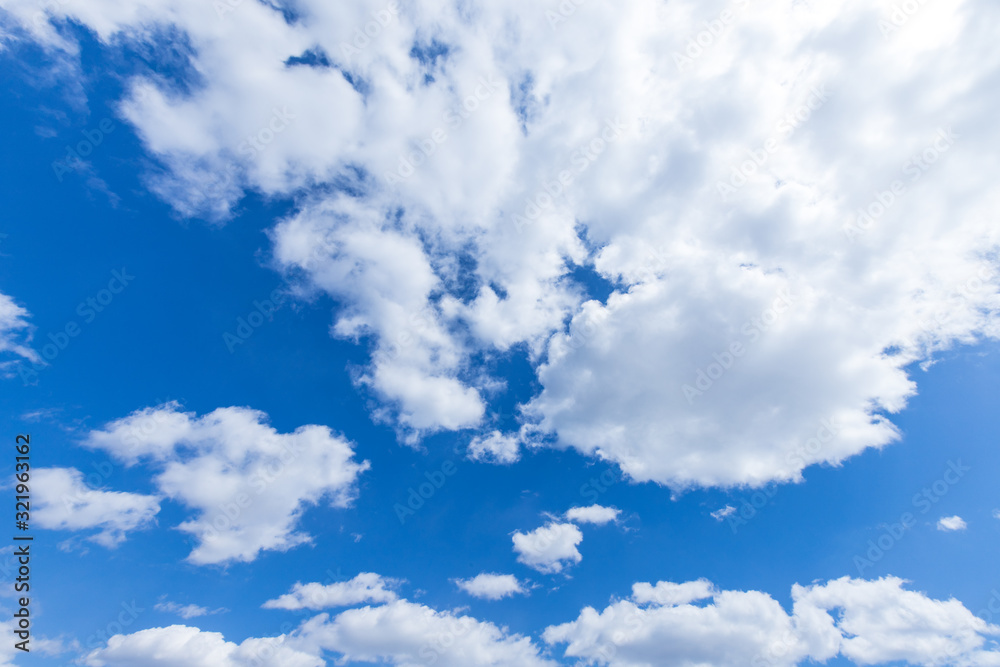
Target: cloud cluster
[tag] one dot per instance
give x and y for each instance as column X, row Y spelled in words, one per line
column 788, row 214
column 247, row 483
column 868, row 622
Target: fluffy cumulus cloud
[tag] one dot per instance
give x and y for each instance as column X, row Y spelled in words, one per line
column 951, row 523
column 868, row 622
column 398, row 633
column 63, row 501
column 366, row 587
column 184, row 646
column 247, row 483
column 491, row 586
column 550, row 548
column 788, row 214
column 408, row 634
column 593, row 514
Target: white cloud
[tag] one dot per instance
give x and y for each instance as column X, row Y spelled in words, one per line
column 490, row 586
column 64, row 502
column 398, row 633
column 248, row 483
column 876, row 622
column 495, row 448
column 185, row 611
column 667, row 593
column 407, row 634
column 722, row 513
column 951, row 523
column 549, row 548
column 434, row 273
column 593, row 514
column 183, row 646
column 996, row 514
column 366, row 587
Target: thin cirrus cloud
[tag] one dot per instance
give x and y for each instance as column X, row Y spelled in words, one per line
column 758, row 257
column 247, row 483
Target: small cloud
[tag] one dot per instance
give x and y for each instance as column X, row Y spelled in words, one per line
column 593, row 514
column 951, row 523
column 549, row 549
column 719, row 515
column 186, row 611
column 491, row 586
column 996, row 514
column 495, row 448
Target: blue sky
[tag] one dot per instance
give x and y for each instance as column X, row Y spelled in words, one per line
column 495, row 284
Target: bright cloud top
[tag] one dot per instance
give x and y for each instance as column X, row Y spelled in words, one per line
column 63, row 501
column 550, row 548
column 366, row 587
column 786, row 223
column 491, row 586
column 248, row 483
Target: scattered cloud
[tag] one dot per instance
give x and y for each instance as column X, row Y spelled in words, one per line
column 248, row 483
column 951, row 523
